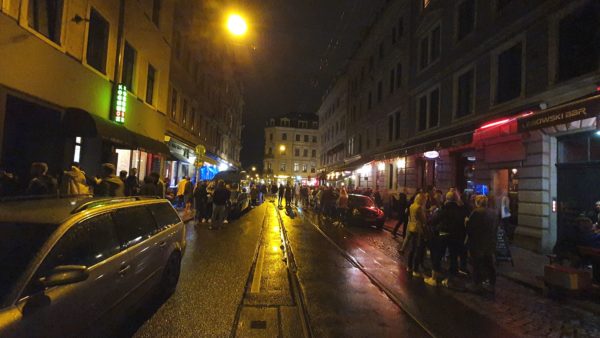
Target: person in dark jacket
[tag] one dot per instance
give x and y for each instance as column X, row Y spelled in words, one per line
column 481, row 230
column 149, row 187
column 220, row 199
column 201, row 200
column 132, row 183
column 449, row 225
column 41, row 183
column 401, row 206
column 109, row 184
column 289, row 193
column 280, row 194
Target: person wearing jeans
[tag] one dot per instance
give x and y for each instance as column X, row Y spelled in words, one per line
column 414, row 239
column 220, row 198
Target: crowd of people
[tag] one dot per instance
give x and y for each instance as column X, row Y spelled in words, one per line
column 74, row 181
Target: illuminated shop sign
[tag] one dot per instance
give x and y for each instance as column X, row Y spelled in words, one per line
column 121, row 103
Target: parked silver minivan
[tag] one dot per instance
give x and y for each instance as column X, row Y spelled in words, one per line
column 67, row 265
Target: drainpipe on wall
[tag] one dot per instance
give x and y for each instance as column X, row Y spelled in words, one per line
column 118, row 59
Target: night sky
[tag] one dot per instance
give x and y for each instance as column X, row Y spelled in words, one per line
column 299, row 47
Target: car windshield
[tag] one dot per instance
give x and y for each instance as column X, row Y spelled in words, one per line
column 364, row 201
column 19, row 243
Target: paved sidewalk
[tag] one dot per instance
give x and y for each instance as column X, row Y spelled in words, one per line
column 528, row 270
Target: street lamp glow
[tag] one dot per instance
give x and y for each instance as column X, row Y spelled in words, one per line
column 237, row 25
column 282, row 148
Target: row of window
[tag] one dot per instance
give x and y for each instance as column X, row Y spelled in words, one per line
column 298, row 167
column 285, row 122
column 334, row 129
column 299, row 138
column 313, row 152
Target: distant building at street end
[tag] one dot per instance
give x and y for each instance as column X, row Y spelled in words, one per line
column 292, row 148
column 489, row 97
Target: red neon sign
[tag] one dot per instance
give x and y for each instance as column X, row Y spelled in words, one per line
column 494, row 123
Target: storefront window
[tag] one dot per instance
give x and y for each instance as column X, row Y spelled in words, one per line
column 123, row 160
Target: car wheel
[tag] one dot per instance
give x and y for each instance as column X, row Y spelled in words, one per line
column 171, row 273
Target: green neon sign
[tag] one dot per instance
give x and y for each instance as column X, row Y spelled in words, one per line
column 121, row 103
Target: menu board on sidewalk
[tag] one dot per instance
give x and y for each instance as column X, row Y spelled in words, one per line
column 502, row 247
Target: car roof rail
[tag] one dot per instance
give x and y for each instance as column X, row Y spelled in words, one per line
column 98, row 202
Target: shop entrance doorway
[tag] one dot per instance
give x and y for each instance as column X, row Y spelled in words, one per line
column 506, row 183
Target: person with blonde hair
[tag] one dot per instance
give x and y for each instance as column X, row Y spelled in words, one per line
column 414, row 238
column 481, row 229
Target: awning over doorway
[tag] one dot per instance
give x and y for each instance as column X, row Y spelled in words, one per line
column 579, row 110
column 78, row 122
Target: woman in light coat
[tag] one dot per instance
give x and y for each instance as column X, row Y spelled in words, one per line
column 414, row 239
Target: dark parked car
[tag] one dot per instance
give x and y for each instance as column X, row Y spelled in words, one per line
column 240, row 201
column 70, row 266
column 362, row 211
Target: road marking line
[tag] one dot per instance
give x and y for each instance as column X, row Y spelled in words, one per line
column 255, row 288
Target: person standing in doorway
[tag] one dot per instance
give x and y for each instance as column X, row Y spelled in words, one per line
column 505, row 214
column 132, row 183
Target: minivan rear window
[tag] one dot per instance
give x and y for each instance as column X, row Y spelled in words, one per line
column 19, row 243
column 164, row 214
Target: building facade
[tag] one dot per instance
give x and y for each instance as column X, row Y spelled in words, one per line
column 205, row 107
column 292, row 149
column 493, row 97
column 332, row 125
column 60, row 99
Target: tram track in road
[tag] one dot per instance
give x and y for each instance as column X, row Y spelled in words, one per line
column 273, row 303
column 354, row 261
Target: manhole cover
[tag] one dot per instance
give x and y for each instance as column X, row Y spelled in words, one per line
column 258, row 324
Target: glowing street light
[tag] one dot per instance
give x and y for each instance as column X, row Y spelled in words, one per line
column 253, row 168
column 282, row 148
column 236, row 25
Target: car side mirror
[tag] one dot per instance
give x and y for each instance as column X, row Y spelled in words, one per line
column 65, row 274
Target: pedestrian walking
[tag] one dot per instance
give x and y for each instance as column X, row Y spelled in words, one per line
column 296, row 194
column 201, row 201
column 342, row 207
column 132, row 183
column 181, row 192
column 481, row 227
column 254, row 192
column 414, row 237
column 109, row 184
column 401, row 210
column 289, row 193
column 73, row 181
column 280, row 194
column 220, row 199
column 160, row 184
column 41, row 183
column 188, row 192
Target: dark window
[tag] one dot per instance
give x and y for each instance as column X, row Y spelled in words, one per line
column 164, row 214
column 156, row 12
column 398, row 75
column 434, row 108
column 379, row 91
column 390, row 127
column 314, row 139
column 392, row 80
column 271, row 137
column 133, row 225
column 424, row 52
column 579, row 42
column 97, row 44
column 305, row 153
column 435, row 44
column 284, row 136
column 86, row 243
column 573, row 148
column 297, row 138
column 464, row 103
column 173, row 103
column 397, row 120
column 423, row 112
column 400, row 27
column 509, row 74
column 45, row 16
column 305, row 138
column 296, row 152
column 129, row 57
column 500, row 4
column 150, row 84
column 466, row 18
